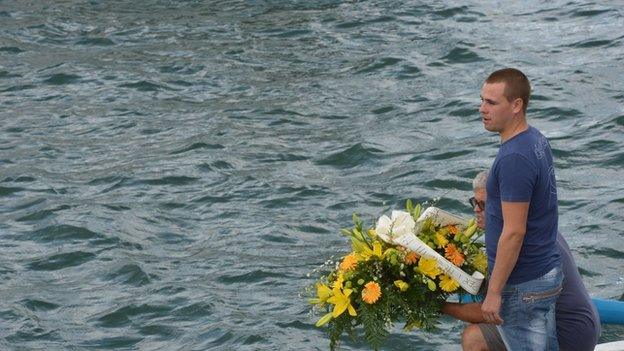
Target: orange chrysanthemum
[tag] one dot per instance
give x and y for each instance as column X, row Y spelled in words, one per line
column 452, row 253
column 411, row 258
column 453, row 229
column 371, row 292
column 349, row 262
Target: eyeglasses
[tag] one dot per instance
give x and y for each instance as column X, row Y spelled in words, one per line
column 474, row 202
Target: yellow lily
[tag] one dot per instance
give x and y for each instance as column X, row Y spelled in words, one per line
column 341, row 301
column 377, row 249
column 323, row 292
column 324, row 320
column 440, row 239
column 359, row 247
column 401, row 285
column 338, row 282
column 372, row 233
column 366, row 253
column 429, row 267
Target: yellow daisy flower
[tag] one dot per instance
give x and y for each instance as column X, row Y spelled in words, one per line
column 448, row 284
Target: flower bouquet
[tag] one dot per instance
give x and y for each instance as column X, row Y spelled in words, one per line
column 404, row 269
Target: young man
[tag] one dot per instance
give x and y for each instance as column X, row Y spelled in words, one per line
column 578, row 324
column 521, row 220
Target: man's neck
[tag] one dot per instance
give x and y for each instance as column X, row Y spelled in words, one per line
column 514, row 129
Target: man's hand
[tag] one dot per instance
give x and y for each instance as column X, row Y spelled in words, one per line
column 491, row 308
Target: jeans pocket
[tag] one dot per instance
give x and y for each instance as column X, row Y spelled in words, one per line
column 510, row 306
column 531, row 297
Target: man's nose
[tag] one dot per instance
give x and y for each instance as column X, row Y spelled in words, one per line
column 482, row 107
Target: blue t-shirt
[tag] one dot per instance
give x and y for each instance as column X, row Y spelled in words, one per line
column 523, row 171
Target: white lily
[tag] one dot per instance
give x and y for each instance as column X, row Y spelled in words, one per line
column 400, row 224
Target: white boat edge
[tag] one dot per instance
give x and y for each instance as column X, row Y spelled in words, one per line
column 610, row 346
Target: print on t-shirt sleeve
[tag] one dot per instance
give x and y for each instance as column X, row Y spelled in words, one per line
column 516, row 178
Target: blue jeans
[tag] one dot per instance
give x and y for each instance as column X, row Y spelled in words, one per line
column 528, row 312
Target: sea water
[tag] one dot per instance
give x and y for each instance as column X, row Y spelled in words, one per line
column 171, row 172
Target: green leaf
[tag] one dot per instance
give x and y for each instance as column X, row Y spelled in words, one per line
column 431, row 285
column 417, row 211
column 356, row 220
column 357, row 234
column 409, row 205
column 336, row 327
column 374, row 326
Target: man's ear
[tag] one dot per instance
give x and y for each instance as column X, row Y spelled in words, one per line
column 517, row 105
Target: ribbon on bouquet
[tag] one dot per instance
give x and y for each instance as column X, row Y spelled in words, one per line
column 471, row 283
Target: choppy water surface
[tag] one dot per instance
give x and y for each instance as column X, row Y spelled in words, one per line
column 170, row 172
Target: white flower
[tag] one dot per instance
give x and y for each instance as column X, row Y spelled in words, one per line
column 400, row 224
column 403, row 223
column 384, row 223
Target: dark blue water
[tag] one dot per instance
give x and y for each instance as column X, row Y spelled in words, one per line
column 171, row 171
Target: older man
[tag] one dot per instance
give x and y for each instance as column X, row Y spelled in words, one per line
column 577, row 321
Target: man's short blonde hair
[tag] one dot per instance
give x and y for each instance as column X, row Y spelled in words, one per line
column 517, row 85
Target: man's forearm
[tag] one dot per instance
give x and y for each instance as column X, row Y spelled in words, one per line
column 467, row 312
column 507, row 253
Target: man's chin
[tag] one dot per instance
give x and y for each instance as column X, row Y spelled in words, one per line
column 481, row 224
column 490, row 128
